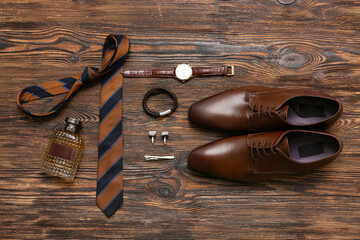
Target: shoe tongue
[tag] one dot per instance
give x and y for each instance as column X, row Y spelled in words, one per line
column 284, row 145
column 284, row 111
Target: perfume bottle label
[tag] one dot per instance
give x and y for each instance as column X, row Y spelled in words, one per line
column 62, row 151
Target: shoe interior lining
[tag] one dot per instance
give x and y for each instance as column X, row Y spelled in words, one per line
column 311, row 147
column 310, row 110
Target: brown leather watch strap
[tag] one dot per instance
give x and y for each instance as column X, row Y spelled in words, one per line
column 170, row 72
column 210, row 71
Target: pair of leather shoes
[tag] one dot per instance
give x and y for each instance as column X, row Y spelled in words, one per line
column 261, row 156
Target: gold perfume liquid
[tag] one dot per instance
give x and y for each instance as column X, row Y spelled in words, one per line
column 64, row 151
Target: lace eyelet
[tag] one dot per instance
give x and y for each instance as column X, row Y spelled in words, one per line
column 267, row 110
column 255, row 150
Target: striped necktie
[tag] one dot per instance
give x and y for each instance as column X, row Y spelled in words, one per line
column 109, row 193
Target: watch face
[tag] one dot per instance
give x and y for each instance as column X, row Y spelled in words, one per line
column 183, row 72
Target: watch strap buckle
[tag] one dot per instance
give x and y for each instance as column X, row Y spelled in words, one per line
column 231, row 72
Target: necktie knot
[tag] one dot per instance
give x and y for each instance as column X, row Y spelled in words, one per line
column 114, row 52
column 89, row 75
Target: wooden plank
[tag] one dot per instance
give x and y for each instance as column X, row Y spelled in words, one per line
column 290, row 43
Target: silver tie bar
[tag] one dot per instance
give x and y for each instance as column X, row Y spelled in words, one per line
column 154, row 158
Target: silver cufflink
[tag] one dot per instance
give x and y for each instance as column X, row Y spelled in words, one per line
column 152, row 135
column 165, row 136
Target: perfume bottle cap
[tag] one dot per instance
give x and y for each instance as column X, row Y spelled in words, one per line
column 72, row 124
column 73, row 120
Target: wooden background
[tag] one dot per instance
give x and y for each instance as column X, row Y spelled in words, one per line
column 287, row 43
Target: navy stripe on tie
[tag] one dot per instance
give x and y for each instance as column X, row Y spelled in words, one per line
column 110, row 104
column 32, row 94
column 99, row 157
column 85, row 76
column 114, row 205
column 111, row 44
column 119, row 39
column 109, row 111
column 110, row 97
column 119, row 61
column 115, row 128
column 26, row 111
column 110, row 139
column 120, row 159
column 109, row 75
column 38, row 91
column 67, row 86
column 109, row 176
column 68, row 80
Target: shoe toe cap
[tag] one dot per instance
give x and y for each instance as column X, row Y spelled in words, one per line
column 225, row 158
column 197, row 114
column 197, row 160
column 226, row 112
column 207, row 114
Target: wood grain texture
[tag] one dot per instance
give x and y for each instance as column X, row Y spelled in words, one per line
column 291, row 43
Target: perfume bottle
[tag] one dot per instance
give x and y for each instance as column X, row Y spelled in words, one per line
column 64, row 151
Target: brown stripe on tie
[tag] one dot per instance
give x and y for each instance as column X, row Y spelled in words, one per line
column 110, row 121
column 109, row 53
column 75, row 87
column 110, row 87
column 28, row 96
column 57, row 90
column 110, row 157
column 122, row 51
column 50, row 85
column 110, row 192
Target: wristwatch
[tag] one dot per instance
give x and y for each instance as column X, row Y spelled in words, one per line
column 182, row 72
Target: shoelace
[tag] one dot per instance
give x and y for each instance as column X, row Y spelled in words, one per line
column 256, row 147
column 268, row 111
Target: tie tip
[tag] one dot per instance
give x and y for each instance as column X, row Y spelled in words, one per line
column 112, row 206
column 108, row 214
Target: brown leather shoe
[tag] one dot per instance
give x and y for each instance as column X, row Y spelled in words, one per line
column 257, row 108
column 261, row 156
